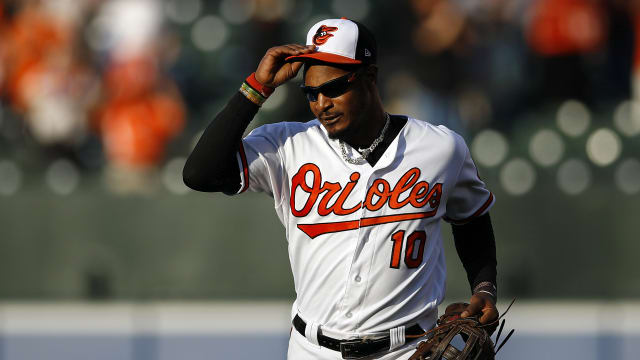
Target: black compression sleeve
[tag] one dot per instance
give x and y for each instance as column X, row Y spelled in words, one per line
column 212, row 165
column 476, row 248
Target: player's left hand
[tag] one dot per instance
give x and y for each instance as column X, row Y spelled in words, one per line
column 484, row 307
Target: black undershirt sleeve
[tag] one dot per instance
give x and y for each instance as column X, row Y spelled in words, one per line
column 212, row 165
column 476, row 248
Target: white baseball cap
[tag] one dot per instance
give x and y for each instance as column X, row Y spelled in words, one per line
column 340, row 41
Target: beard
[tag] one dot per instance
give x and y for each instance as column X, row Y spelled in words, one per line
column 344, row 134
column 337, row 135
column 347, row 133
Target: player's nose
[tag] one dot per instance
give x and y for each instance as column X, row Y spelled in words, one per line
column 323, row 103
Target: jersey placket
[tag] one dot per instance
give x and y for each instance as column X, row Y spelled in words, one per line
column 358, row 277
column 356, row 282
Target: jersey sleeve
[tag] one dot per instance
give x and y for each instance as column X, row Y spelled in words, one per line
column 469, row 197
column 260, row 162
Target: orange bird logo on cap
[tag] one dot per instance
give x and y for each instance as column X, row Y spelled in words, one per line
column 323, row 34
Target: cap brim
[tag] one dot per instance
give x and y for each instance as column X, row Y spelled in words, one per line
column 324, row 57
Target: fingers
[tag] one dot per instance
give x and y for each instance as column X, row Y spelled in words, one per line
column 273, row 71
column 483, row 306
column 475, row 306
column 280, row 52
column 301, row 48
column 489, row 310
column 295, row 67
column 489, row 314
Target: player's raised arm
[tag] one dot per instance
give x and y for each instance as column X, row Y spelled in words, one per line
column 273, row 71
column 212, row 164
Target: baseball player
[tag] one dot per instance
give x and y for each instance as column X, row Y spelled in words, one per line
column 360, row 193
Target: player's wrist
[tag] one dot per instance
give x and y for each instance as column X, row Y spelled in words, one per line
column 255, row 91
column 487, row 288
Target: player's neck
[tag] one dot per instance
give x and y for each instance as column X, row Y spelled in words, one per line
column 370, row 130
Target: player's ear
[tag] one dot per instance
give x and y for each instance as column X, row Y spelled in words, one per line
column 371, row 73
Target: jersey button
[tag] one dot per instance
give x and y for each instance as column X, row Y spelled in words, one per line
column 348, row 315
column 358, row 278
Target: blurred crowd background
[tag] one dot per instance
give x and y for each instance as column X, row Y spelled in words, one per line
column 102, row 100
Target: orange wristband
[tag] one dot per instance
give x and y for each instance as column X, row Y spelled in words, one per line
column 264, row 90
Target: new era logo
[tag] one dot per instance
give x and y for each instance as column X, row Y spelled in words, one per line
column 367, row 52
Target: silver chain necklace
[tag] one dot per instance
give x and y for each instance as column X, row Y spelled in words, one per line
column 365, row 152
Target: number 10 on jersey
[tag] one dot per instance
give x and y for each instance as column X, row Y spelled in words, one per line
column 414, row 248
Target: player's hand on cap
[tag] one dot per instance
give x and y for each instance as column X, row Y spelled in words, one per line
column 274, row 71
column 483, row 306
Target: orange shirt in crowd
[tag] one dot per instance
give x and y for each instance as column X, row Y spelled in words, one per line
column 135, row 132
column 136, row 121
column 561, row 27
column 31, row 38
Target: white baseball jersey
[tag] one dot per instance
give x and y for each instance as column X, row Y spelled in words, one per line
column 364, row 241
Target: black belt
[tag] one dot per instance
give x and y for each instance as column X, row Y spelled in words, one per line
column 356, row 348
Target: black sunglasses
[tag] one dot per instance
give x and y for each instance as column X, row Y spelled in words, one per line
column 332, row 88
